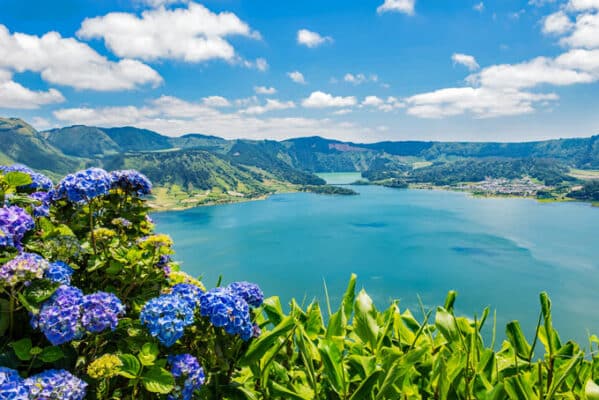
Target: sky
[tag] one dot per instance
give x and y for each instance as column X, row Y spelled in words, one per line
column 361, row 70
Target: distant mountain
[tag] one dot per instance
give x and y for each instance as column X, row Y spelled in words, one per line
column 82, row 141
column 21, row 143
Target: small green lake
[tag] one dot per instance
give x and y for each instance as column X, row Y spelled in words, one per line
column 404, row 243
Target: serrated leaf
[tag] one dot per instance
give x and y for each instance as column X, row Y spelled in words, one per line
column 131, row 366
column 22, row 349
column 158, row 380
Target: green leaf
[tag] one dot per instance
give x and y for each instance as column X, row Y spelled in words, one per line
column 131, row 366
column 285, row 393
column 158, row 380
column 366, row 388
column 51, row 354
column 22, row 349
column 591, row 390
column 518, row 340
column 148, row 354
column 446, row 324
column 333, row 365
column 40, row 290
column 16, row 179
column 450, row 300
column 259, row 347
column 349, row 296
column 518, row 388
column 365, row 324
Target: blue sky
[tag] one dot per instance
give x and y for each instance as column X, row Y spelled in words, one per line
column 362, row 70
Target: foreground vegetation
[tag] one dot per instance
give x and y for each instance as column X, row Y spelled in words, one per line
column 93, row 306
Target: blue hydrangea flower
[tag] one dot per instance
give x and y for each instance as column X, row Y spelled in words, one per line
column 22, row 269
column 227, row 310
column 43, row 208
column 189, row 293
column 187, row 368
column 101, row 310
column 250, row 292
column 131, row 181
column 38, row 181
column 166, row 317
column 56, row 385
column 15, row 222
column 5, row 239
column 83, row 186
column 59, row 272
column 60, row 317
column 12, row 386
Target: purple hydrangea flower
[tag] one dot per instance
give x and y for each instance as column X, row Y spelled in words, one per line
column 60, row 316
column 101, row 311
column 43, row 209
column 131, row 181
column 166, row 317
column 5, row 239
column 15, row 222
column 189, row 293
column 227, row 310
column 250, row 292
column 83, row 186
column 38, row 181
column 56, row 384
column 187, row 368
column 59, row 272
column 22, row 269
column 12, row 386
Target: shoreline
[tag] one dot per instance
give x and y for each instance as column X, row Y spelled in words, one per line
column 157, row 206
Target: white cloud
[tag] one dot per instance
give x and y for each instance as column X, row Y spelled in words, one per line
column 173, row 116
column 343, row 111
column 390, row 104
column 192, row 34
column 216, row 101
column 360, row 78
column 66, row 61
column 13, row 95
column 557, row 23
column 324, row 100
column 585, row 32
column 482, row 102
column 297, row 77
column 402, row 6
column 40, row 123
column 265, row 90
column 480, row 7
column 540, row 3
column 373, row 101
column 583, row 5
column 465, row 60
column 312, row 39
column 538, row 71
column 271, row 105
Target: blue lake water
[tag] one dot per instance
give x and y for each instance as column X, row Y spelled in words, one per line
column 403, row 243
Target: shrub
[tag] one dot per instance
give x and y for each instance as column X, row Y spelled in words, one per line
column 93, row 305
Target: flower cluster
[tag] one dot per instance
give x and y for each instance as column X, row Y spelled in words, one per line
column 42, row 209
column 12, row 385
column 38, row 181
column 22, row 269
column 83, row 186
column 15, row 222
column 101, row 311
column 227, row 310
column 68, row 314
column 59, row 317
column 250, row 292
column 124, row 222
column 106, row 366
column 188, row 369
column 55, row 384
column 59, row 272
column 166, row 317
column 189, row 293
column 131, row 182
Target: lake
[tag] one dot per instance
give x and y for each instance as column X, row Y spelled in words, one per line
column 403, row 244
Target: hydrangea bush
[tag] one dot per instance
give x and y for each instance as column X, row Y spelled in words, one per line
column 93, row 305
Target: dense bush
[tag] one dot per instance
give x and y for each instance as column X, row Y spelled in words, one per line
column 93, row 306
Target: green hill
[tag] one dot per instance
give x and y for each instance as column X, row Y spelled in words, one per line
column 82, row 141
column 21, row 143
